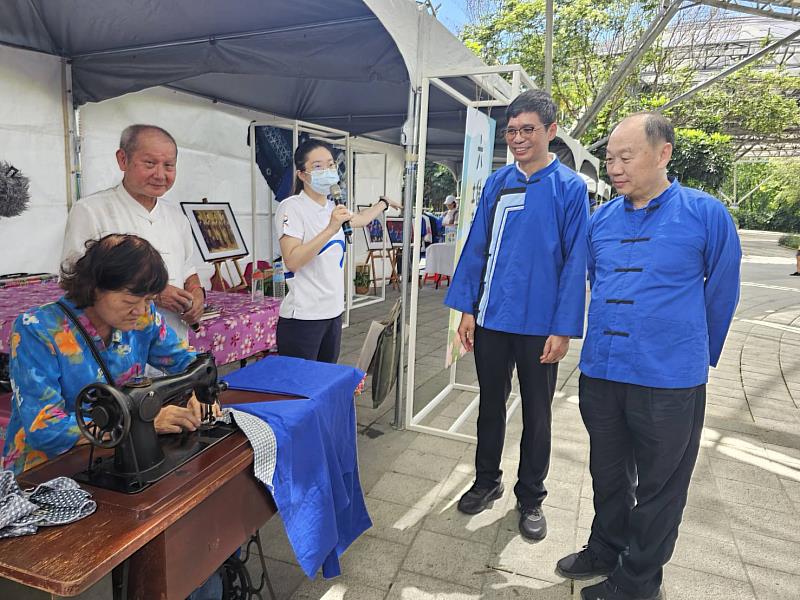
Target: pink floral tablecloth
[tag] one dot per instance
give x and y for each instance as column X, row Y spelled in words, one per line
column 244, row 328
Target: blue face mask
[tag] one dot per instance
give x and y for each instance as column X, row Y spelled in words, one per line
column 321, row 181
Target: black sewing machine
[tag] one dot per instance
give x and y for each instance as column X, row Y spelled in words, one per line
column 122, row 419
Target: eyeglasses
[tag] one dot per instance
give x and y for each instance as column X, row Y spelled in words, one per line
column 526, row 132
column 319, row 167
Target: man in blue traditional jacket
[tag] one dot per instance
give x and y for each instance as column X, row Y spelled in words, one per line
column 664, row 270
column 521, row 286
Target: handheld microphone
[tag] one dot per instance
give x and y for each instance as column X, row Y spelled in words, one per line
column 336, row 196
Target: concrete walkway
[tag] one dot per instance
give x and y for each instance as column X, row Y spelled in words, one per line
column 740, row 537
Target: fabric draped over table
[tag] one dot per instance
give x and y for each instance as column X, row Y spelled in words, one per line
column 316, row 485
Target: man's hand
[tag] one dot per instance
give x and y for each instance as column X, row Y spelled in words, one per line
column 466, row 331
column 555, row 348
column 175, row 299
column 174, row 419
column 192, row 315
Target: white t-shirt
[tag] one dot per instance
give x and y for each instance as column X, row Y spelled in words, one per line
column 316, row 290
column 115, row 211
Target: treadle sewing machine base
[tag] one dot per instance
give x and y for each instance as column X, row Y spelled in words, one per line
column 161, row 543
column 178, row 449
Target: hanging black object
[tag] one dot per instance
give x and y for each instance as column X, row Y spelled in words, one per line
column 384, row 363
column 13, row 190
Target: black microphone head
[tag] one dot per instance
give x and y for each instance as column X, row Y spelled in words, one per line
column 13, row 191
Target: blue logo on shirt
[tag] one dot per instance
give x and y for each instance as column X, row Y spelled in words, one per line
column 331, row 244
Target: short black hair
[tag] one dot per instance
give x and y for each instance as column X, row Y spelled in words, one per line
column 129, row 140
column 114, row 263
column 535, row 101
column 657, row 127
column 301, row 155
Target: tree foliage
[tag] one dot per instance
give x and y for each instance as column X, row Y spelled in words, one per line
column 700, row 159
column 592, row 37
column 749, row 101
column 774, row 203
column 439, row 182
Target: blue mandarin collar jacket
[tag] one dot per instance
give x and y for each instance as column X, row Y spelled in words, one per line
column 665, row 284
column 523, row 266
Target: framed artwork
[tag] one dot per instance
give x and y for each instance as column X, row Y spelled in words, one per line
column 394, row 229
column 374, row 232
column 215, row 230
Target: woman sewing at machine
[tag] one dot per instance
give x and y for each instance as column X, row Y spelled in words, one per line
column 110, row 292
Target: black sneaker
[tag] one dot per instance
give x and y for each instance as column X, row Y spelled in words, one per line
column 477, row 499
column 607, row 590
column 532, row 523
column 583, row 565
column 795, row 274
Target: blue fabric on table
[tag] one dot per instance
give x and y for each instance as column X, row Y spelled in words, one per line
column 317, row 488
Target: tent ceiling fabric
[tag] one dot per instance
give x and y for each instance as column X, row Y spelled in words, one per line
column 330, row 63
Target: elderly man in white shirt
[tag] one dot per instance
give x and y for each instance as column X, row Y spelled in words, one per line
column 147, row 156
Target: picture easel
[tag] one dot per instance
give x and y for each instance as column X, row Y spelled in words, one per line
column 387, row 253
column 213, row 225
column 393, row 257
column 242, row 285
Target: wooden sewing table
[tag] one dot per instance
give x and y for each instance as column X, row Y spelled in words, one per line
column 161, row 543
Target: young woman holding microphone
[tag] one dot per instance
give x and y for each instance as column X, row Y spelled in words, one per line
column 309, row 228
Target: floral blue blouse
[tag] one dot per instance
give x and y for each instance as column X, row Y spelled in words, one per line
column 51, row 363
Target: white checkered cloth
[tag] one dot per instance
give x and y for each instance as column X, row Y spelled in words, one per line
column 262, row 439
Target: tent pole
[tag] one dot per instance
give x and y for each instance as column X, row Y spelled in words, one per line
column 253, row 226
column 412, row 134
column 70, row 136
column 416, row 223
column 349, row 252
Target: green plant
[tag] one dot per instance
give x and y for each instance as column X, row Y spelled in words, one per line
column 790, row 241
column 700, row 159
column 362, row 277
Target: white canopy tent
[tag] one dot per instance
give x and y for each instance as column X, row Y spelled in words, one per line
column 354, row 66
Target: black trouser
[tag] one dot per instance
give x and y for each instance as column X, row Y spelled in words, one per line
column 652, row 434
column 496, row 353
column 313, row 340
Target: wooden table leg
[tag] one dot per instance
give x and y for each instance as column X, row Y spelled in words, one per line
column 183, row 557
column 119, row 581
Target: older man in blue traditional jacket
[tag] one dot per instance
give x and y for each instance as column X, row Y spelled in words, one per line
column 664, row 269
column 521, row 286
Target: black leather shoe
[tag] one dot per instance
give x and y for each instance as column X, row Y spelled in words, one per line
column 583, row 565
column 532, row 523
column 477, row 499
column 606, row 590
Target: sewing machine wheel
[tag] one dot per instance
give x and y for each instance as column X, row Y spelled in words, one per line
column 103, row 415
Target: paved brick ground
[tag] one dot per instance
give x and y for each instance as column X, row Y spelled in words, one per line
column 740, row 537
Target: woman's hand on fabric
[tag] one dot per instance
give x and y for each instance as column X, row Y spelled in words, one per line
column 175, row 419
column 197, row 408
